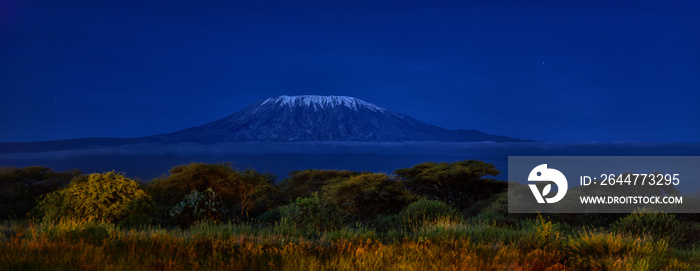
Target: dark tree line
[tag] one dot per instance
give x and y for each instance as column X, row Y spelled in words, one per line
column 20, row 187
column 218, row 192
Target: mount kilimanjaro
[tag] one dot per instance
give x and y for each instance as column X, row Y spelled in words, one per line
column 290, row 119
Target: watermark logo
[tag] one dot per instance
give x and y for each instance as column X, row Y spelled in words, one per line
column 543, row 174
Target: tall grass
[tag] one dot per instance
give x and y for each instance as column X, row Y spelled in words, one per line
column 445, row 244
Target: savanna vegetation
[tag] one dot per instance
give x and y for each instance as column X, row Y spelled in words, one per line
column 433, row 216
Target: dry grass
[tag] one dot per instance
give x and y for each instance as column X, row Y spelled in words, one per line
column 442, row 245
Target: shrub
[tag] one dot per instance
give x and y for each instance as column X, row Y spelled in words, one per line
column 272, row 216
column 198, row 206
column 310, row 213
column 497, row 211
column 108, row 197
column 366, row 196
column 426, row 211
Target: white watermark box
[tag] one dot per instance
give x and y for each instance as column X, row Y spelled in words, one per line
column 603, row 184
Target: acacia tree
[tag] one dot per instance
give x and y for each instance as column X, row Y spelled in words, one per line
column 241, row 192
column 367, row 195
column 459, row 184
column 253, row 189
column 304, row 183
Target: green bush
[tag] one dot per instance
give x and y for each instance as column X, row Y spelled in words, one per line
column 497, row 211
column 198, row 206
column 272, row 216
column 107, row 197
column 310, row 213
column 366, row 196
column 427, row 211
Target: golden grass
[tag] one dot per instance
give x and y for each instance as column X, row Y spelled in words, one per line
column 444, row 245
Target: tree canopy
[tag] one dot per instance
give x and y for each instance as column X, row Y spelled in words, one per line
column 459, row 184
column 108, row 197
column 303, row 183
column 242, row 192
column 367, row 195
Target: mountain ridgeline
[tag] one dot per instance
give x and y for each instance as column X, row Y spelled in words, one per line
column 307, row 118
column 321, row 118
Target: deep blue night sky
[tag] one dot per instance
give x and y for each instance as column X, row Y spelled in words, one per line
column 550, row 71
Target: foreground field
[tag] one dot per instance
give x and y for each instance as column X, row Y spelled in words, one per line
column 444, row 245
column 433, row 216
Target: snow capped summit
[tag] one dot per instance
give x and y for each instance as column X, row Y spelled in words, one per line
column 322, row 102
column 289, row 119
column 320, row 118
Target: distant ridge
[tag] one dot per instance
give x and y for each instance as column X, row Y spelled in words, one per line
column 290, row 119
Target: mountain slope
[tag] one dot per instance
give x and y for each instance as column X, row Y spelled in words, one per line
column 288, row 119
column 320, row 118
